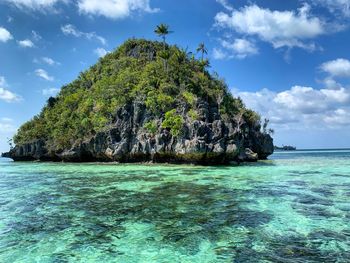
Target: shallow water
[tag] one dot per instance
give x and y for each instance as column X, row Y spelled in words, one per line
column 292, row 208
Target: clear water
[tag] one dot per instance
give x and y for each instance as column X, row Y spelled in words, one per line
column 292, row 208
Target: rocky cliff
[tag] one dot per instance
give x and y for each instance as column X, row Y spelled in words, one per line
column 177, row 112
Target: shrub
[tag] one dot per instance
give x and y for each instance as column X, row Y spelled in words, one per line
column 190, row 98
column 193, row 114
column 151, row 127
column 174, row 122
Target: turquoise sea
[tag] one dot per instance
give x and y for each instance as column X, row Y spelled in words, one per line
column 294, row 207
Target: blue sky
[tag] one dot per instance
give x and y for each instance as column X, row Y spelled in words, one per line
column 289, row 60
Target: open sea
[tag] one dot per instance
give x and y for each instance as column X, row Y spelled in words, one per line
column 294, row 207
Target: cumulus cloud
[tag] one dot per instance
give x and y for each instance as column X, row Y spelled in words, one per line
column 50, row 92
column 339, row 117
column 239, row 48
column 337, row 68
column 305, row 106
column 5, row 35
column 8, row 96
column 280, row 28
column 114, row 9
column 5, row 94
column 308, row 100
column 43, row 74
column 100, row 52
column 71, row 30
column 25, row 43
column 35, row 5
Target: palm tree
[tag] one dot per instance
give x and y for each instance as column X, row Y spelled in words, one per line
column 162, row 31
column 201, row 48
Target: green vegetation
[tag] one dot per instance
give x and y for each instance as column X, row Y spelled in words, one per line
column 151, row 127
column 165, row 77
column 201, row 48
column 193, row 114
column 174, row 122
column 190, row 98
column 162, row 30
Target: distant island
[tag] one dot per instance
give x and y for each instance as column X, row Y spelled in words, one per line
column 285, row 148
column 146, row 101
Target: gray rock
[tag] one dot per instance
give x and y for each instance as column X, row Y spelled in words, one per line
column 209, row 140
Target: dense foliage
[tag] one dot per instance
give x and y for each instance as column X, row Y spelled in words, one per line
column 164, row 77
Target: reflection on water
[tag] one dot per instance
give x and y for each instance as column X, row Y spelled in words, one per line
column 293, row 208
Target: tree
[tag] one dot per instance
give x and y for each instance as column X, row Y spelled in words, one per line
column 162, row 31
column 204, row 64
column 51, row 102
column 264, row 126
column 165, row 55
column 10, row 142
column 201, row 48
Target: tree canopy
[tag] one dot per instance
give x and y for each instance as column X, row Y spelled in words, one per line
column 134, row 71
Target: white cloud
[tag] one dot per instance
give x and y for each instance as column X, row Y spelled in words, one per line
column 36, row 36
column 43, row 74
column 339, row 117
column 2, row 81
column 5, row 35
column 6, row 127
column 114, row 9
column 49, row 61
column 337, row 68
column 7, row 95
column 280, row 28
column 338, row 6
column 310, row 100
column 240, row 48
column 25, row 43
column 300, row 106
column 219, row 54
column 6, row 119
column 46, row 60
column 225, row 4
column 50, row 92
column 35, row 5
column 100, row 52
column 70, row 29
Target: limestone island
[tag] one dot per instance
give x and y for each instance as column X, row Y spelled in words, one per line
column 145, row 102
column 285, row 148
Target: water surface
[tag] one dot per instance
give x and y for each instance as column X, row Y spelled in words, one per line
column 292, row 208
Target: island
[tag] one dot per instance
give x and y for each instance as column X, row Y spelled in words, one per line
column 285, row 148
column 147, row 101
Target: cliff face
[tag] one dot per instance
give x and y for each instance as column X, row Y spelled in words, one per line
column 161, row 122
column 207, row 141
